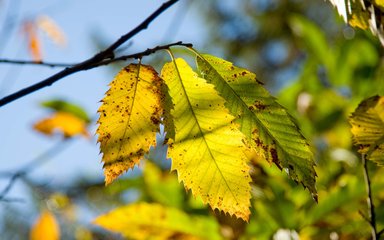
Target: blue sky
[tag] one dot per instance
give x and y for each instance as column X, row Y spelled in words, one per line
column 79, row 20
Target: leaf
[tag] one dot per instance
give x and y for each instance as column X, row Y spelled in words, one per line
column 368, row 128
column 208, row 150
column 267, row 125
column 162, row 187
column 33, row 40
column 46, row 228
column 65, row 106
column 54, row 32
column 129, row 119
column 66, row 123
column 154, row 221
column 379, row 3
column 359, row 16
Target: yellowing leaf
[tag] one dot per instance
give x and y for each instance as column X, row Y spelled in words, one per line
column 267, row 125
column 154, row 221
column 207, row 152
column 368, row 128
column 359, row 16
column 380, row 3
column 66, row 123
column 49, row 26
column 129, row 119
column 33, row 41
column 46, row 228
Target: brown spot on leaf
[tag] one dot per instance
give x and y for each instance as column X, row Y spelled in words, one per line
column 275, row 158
column 259, row 105
column 155, row 120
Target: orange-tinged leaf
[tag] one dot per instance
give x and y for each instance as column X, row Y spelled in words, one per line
column 66, row 123
column 46, row 227
column 129, row 119
column 33, row 41
column 208, row 151
column 54, row 32
column 368, row 128
column 154, row 221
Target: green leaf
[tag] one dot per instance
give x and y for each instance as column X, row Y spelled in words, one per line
column 368, row 128
column 64, row 106
column 266, row 124
column 154, row 221
column 129, row 119
column 208, row 151
column 162, row 187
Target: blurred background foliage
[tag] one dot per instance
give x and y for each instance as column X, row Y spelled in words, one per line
column 320, row 69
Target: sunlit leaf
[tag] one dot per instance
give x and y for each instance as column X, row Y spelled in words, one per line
column 46, row 227
column 129, row 119
column 54, row 32
column 368, row 128
column 208, row 151
column 154, row 221
column 359, row 17
column 379, row 3
column 65, row 106
column 66, row 123
column 266, row 124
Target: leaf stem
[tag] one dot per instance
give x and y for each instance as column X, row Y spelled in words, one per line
column 371, row 207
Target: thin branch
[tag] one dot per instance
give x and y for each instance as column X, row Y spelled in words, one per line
column 40, row 63
column 90, row 63
column 371, row 208
column 139, row 55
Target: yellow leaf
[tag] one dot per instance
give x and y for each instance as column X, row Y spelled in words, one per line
column 380, row 3
column 129, row 119
column 368, row 128
column 154, row 221
column 66, row 123
column 208, row 151
column 46, row 228
column 359, row 17
column 49, row 26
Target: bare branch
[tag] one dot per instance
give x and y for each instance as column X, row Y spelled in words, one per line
column 90, row 63
column 39, row 63
column 138, row 55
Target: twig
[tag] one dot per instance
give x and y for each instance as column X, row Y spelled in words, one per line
column 138, row 55
column 90, row 63
column 28, row 168
column 371, row 208
column 41, row 63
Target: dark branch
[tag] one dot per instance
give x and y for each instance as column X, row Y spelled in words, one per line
column 90, row 63
column 40, row 63
column 138, row 55
column 371, row 208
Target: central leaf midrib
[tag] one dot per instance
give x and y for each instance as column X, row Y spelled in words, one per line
column 131, row 112
column 202, row 133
